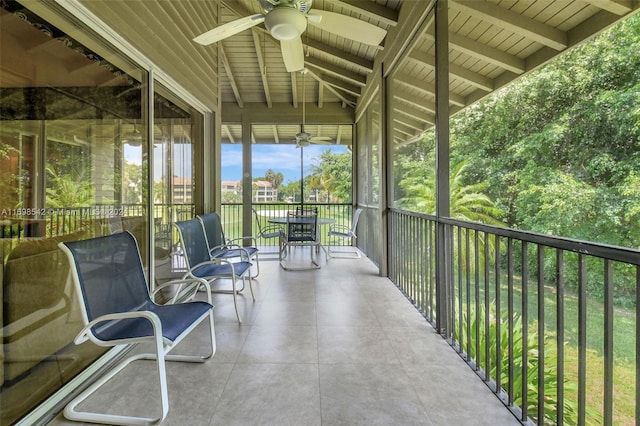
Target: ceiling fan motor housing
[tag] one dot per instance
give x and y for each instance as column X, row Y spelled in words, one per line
column 285, row 23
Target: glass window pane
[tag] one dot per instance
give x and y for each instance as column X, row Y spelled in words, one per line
column 175, row 135
column 411, row 90
column 72, row 161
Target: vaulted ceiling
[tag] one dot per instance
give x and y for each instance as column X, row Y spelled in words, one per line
column 491, row 43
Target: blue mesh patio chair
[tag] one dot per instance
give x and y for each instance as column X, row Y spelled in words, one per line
column 118, row 309
column 221, row 247
column 200, row 265
column 342, row 231
column 302, row 230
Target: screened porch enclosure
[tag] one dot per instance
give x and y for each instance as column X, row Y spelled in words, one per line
column 112, row 119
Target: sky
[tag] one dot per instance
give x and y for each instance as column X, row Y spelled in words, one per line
column 133, row 155
column 280, row 158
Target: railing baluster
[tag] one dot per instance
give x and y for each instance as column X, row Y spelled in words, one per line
column 412, row 260
column 510, row 309
column 637, row 343
column 582, row 338
column 541, row 348
column 498, row 317
column 468, row 281
column 525, row 332
column 460, row 281
column 608, row 343
column 487, row 309
column 476, row 246
column 560, row 334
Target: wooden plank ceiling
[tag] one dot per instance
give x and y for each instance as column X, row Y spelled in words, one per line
column 491, row 43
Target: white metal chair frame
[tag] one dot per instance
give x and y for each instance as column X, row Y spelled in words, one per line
column 268, row 232
column 200, row 265
column 221, row 247
column 162, row 344
column 342, row 231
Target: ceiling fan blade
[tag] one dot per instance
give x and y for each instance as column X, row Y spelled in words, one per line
column 348, row 27
column 293, row 54
column 230, row 28
column 320, row 139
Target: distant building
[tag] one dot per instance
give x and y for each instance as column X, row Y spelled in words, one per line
column 182, row 190
column 263, row 191
column 231, row 186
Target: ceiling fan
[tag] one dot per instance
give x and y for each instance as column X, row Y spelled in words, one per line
column 286, row 20
column 303, row 138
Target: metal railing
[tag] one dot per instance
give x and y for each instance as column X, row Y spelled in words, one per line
column 532, row 314
column 231, row 216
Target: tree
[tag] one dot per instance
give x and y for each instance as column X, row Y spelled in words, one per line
column 468, row 201
column 274, row 178
column 332, row 174
column 569, row 131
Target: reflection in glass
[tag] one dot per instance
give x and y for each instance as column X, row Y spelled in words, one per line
column 174, row 139
column 72, row 165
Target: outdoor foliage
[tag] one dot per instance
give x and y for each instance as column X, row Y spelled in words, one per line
column 332, row 174
column 559, row 151
column 71, row 189
column 498, row 327
column 329, row 178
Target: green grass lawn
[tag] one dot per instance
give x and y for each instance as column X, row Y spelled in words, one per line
column 624, row 341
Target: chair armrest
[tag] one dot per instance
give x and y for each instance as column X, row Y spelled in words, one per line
column 271, row 231
column 195, row 280
column 86, row 333
column 246, row 237
column 340, row 228
column 216, row 261
column 272, row 228
column 230, row 246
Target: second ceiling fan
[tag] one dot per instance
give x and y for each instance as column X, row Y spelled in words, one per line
column 303, row 138
column 286, row 20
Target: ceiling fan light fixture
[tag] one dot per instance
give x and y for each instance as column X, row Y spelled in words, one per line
column 285, row 23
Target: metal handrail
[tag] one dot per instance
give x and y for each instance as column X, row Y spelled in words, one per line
column 497, row 283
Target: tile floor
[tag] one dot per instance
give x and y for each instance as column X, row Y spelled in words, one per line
column 335, row 346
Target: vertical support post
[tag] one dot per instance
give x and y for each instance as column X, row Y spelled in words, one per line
column 247, row 180
column 150, row 119
column 442, row 164
column 385, row 164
